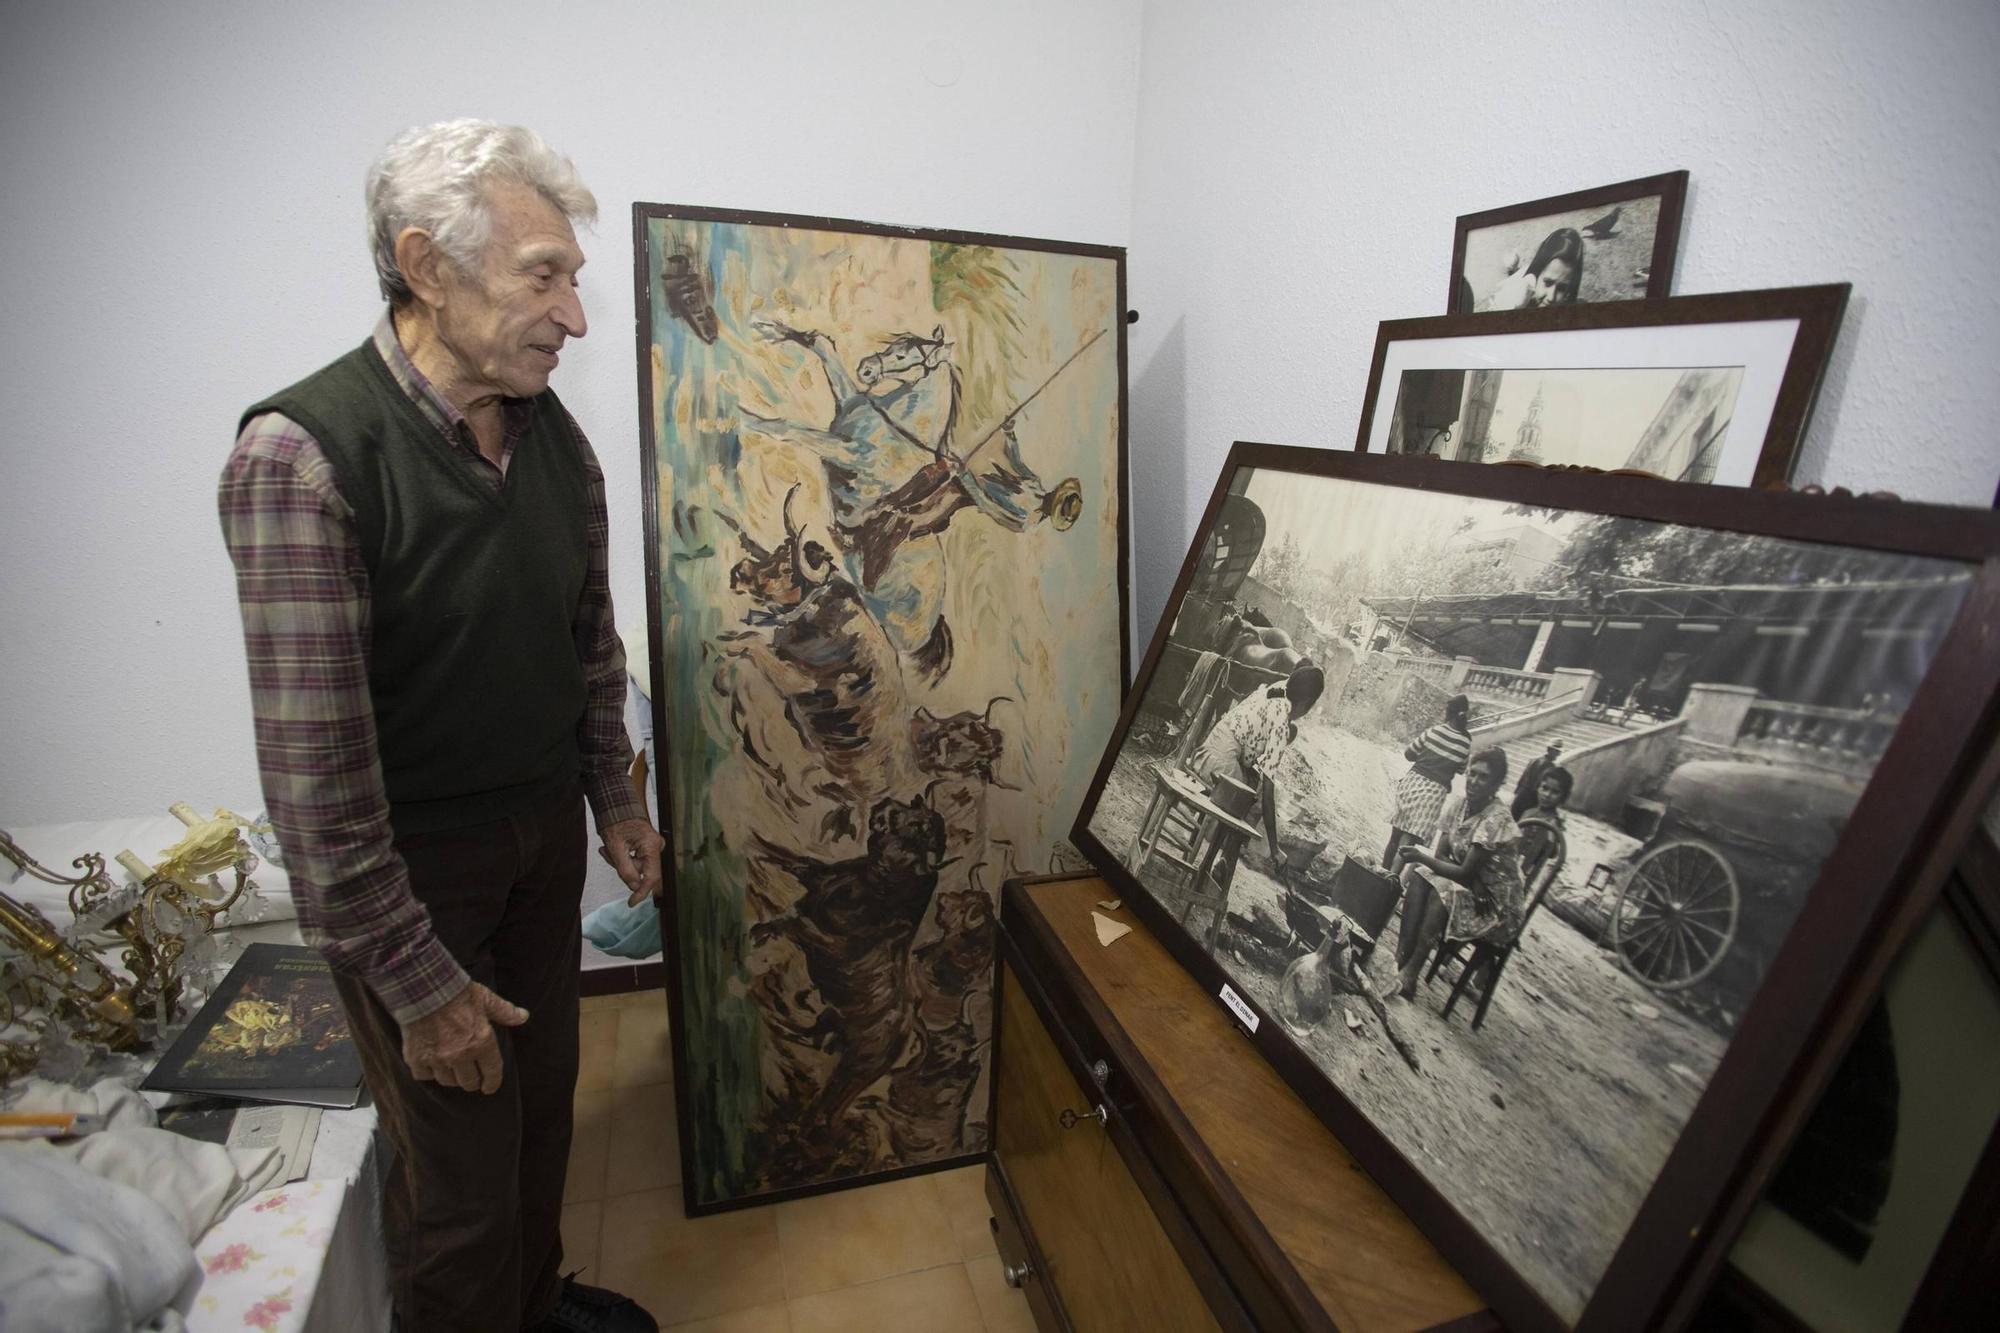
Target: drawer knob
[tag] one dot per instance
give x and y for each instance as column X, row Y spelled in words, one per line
column 1071, row 1119
column 1016, row 1275
column 1100, row 1071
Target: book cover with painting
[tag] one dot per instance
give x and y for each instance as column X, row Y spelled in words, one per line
column 273, row 1031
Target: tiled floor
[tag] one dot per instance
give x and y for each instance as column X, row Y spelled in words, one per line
column 908, row 1256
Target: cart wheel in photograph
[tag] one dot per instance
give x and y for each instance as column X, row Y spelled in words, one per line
column 1676, row 915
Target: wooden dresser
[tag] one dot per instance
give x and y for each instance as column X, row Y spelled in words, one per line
column 1152, row 1172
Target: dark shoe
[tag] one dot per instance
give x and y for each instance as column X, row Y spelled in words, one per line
column 582, row 1309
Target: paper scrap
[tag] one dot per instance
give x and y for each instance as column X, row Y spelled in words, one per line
column 1111, row 904
column 1109, row 932
column 1353, row 1023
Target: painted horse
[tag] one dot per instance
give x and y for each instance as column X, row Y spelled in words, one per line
column 871, row 441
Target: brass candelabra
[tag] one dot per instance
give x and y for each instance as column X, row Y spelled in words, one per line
column 58, row 975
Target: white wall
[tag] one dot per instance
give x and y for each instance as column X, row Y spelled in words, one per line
column 1300, row 168
column 183, row 220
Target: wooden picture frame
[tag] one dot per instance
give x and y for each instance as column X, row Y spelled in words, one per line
column 887, row 528
column 1623, row 1224
column 1936, row 1191
column 1623, row 254
column 1693, row 388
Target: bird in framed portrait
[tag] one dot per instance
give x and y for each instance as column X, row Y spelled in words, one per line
column 1604, row 226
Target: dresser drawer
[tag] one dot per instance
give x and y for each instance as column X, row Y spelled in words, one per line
column 1192, row 1189
column 1104, row 1255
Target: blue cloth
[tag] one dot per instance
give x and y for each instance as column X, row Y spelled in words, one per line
column 625, row 932
column 621, row 931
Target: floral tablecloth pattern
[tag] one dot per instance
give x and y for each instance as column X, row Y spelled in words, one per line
column 261, row 1263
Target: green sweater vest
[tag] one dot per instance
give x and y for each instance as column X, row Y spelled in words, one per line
column 472, row 658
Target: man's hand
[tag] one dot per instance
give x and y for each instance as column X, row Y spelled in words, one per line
column 633, row 849
column 455, row 1045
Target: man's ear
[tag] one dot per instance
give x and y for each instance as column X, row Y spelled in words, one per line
column 423, row 265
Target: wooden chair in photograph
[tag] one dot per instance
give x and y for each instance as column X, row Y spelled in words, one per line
column 1488, row 960
column 1171, row 827
column 1230, row 806
column 1197, row 836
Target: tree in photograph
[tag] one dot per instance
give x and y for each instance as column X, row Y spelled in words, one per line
column 1282, row 566
column 1635, row 550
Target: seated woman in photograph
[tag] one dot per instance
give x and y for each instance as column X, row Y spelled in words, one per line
column 1248, row 742
column 1439, row 756
column 1551, row 278
column 1542, row 823
column 1469, row 888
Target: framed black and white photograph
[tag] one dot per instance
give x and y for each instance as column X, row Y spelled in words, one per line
column 1882, row 1214
column 1542, row 828
column 1613, row 243
column 1697, row 388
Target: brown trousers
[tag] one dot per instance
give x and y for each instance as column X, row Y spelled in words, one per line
column 473, row 1202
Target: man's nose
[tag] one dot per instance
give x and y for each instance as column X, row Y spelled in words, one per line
column 568, row 314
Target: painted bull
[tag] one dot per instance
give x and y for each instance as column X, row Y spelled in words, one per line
column 843, row 684
column 854, row 926
column 839, row 674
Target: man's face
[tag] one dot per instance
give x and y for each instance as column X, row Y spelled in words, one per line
column 506, row 324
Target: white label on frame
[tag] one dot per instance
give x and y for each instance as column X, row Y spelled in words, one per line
column 1238, row 1007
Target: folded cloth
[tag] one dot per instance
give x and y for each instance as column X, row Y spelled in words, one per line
column 79, row 1252
column 625, row 932
column 119, row 1105
column 1200, row 680
column 195, row 1182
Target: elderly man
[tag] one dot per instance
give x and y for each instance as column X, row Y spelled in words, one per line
column 419, row 535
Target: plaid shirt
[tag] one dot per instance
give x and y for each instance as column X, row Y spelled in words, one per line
column 303, row 588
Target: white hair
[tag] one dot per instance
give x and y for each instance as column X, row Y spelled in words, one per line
column 435, row 178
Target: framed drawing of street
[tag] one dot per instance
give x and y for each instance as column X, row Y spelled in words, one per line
column 1694, row 388
column 1612, row 243
column 1546, row 830
column 886, row 561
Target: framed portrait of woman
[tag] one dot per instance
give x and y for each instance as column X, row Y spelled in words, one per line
column 1612, row 243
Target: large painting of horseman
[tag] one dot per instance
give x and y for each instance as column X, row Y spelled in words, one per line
column 887, row 541
column 1501, row 814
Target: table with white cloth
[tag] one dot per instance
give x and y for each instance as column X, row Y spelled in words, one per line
column 306, row 1256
